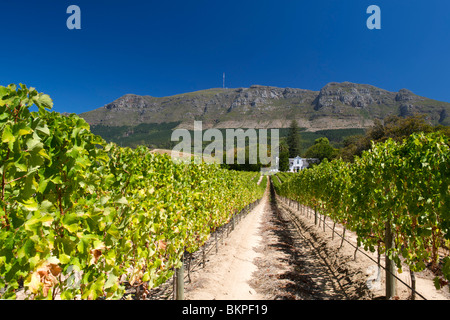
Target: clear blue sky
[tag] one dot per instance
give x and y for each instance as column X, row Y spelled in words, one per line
column 162, row 48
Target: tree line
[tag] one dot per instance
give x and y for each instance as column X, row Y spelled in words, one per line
column 395, row 127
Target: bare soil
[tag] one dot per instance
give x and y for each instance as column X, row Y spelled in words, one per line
column 268, row 257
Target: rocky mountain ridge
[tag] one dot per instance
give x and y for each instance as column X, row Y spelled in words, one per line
column 335, row 106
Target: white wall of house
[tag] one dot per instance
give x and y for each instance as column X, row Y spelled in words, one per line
column 296, row 164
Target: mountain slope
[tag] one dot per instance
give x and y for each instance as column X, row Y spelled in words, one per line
column 335, row 106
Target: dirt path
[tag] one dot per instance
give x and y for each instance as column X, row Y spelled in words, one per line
column 267, row 257
column 263, row 258
column 227, row 274
column 294, row 264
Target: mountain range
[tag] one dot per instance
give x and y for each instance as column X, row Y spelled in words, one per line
column 337, row 111
column 336, row 106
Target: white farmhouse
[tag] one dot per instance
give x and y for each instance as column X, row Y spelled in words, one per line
column 296, row 164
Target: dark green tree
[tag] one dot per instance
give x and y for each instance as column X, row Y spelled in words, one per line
column 283, row 164
column 293, row 140
column 397, row 128
column 321, row 150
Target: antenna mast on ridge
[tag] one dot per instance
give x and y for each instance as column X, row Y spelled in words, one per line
column 224, row 80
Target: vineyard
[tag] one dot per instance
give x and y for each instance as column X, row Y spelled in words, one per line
column 82, row 219
column 395, row 197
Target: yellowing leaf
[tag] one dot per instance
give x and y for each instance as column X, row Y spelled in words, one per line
column 122, row 200
column 73, row 228
column 35, row 283
column 30, row 204
column 7, row 135
column 44, row 154
column 64, row 258
column 25, row 131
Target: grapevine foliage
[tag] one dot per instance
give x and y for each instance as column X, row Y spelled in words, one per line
column 80, row 218
column 404, row 185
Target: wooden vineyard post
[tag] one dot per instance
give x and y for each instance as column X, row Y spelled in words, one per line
column 217, row 244
column 204, row 256
column 223, row 234
column 189, row 267
column 343, row 237
column 413, row 285
column 391, row 282
column 315, row 215
column 332, row 234
column 179, row 281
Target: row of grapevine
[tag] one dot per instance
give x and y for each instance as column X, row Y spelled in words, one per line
column 401, row 187
column 283, row 176
column 80, row 218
